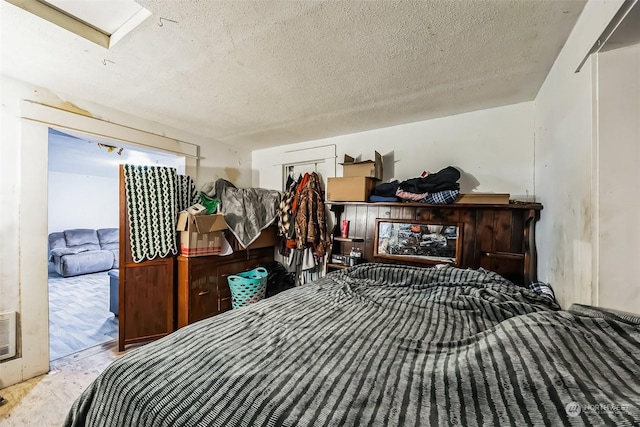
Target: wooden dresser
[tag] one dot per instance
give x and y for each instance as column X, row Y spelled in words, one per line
column 202, row 282
column 500, row 238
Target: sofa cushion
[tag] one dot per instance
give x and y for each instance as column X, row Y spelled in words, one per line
column 56, row 240
column 108, row 238
column 65, row 251
column 81, row 238
column 84, row 263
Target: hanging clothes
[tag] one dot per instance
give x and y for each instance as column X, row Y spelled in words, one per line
column 310, row 225
column 285, row 210
column 301, row 222
column 303, row 265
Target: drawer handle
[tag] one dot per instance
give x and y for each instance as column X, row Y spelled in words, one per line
column 204, row 292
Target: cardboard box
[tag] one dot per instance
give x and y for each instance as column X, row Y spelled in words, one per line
column 368, row 168
column 196, row 209
column 484, row 198
column 268, row 237
column 350, row 189
column 201, row 235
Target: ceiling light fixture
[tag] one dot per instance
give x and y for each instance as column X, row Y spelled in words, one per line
column 111, row 148
column 104, row 23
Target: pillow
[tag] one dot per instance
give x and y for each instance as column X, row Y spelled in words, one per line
column 109, row 238
column 108, row 235
column 86, row 239
column 56, row 240
column 544, row 290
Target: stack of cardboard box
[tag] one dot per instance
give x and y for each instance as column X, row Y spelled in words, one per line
column 358, row 180
column 200, row 234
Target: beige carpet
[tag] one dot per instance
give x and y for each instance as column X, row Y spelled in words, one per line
column 45, row 400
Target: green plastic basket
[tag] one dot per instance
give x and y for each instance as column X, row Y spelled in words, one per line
column 248, row 287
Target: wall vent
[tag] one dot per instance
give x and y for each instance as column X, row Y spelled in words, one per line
column 7, row 335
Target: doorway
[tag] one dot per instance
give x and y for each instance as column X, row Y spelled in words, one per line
column 83, row 217
column 31, row 293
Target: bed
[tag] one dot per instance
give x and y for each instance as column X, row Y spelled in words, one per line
column 380, row 345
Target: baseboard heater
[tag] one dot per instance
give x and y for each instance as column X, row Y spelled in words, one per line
column 7, row 335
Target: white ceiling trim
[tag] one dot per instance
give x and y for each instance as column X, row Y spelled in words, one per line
column 609, row 31
column 77, row 26
column 72, row 122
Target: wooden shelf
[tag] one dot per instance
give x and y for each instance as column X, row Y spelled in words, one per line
column 511, row 205
column 500, row 238
column 348, row 239
column 336, row 266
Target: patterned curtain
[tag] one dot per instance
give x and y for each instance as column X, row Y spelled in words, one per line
column 187, row 194
column 152, row 210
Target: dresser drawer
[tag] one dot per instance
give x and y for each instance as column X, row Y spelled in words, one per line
column 203, row 296
column 203, row 290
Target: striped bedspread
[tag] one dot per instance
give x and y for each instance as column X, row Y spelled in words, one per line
column 381, row 345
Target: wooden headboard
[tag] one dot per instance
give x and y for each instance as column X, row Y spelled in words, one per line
column 500, row 238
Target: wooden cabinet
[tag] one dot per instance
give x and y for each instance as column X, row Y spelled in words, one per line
column 146, row 290
column 203, row 290
column 339, row 251
column 500, row 238
column 146, row 301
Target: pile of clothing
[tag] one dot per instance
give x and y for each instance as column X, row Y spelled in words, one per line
column 438, row 188
column 247, row 211
column 302, row 223
column 279, row 279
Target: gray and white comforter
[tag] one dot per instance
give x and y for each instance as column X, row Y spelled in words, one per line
column 381, row 345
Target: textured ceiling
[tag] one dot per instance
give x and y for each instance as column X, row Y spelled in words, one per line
column 265, row 73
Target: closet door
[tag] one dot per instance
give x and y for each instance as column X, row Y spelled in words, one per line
column 146, row 289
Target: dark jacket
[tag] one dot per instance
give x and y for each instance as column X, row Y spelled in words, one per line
column 445, row 179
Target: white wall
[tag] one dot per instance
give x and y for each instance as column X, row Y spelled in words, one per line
column 23, row 193
column 566, row 159
column 82, row 201
column 493, row 147
column 619, row 179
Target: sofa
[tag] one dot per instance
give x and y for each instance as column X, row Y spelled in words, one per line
column 82, row 251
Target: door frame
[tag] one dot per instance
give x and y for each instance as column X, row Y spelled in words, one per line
column 35, row 121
